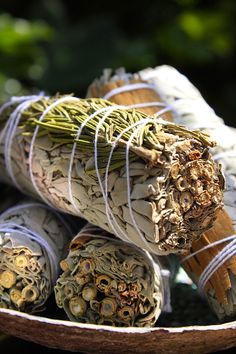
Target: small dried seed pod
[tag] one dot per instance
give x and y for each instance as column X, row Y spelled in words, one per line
column 15, row 296
column 89, row 292
column 103, row 282
column 182, row 184
column 175, row 170
column 207, row 171
column 108, row 307
column 195, row 155
column 21, row 261
column 86, row 266
column 82, row 279
column 174, row 218
column 64, row 265
column 7, row 279
column 69, row 291
column 126, row 313
column 204, row 199
column 77, row 306
column 122, row 286
column 195, row 170
column 186, row 200
column 30, row 293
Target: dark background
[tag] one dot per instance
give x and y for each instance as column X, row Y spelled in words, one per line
column 62, row 45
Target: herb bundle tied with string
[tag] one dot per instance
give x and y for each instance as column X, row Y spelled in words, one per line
column 130, row 174
column 107, row 281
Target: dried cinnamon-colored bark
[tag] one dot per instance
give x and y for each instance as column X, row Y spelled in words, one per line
column 131, row 97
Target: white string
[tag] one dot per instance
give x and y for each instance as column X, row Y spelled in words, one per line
column 19, row 207
column 218, row 242
column 11, row 131
column 110, row 216
column 10, row 127
column 83, row 124
column 129, row 87
column 146, row 104
column 165, row 276
column 227, row 252
column 128, row 177
column 143, row 122
column 11, row 227
column 7, row 104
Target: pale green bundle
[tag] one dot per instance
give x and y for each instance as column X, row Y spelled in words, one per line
column 106, row 281
column 147, row 181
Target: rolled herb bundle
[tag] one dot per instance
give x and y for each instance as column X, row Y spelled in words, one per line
column 33, row 241
column 126, row 172
column 211, row 263
column 106, row 281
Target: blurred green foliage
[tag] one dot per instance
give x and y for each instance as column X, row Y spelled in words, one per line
column 62, row 45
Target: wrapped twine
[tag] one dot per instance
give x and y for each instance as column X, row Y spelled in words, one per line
column 211, row 263
column 106, row 281
column 33, row 241
column 118, row 168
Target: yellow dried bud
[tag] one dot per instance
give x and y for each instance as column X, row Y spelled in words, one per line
column 64, row 265
column 89, row 292
column 30, row 293
column 16, row 296
column 21, row 261
column 77, row 306
column 7, row 279
column 108, row 307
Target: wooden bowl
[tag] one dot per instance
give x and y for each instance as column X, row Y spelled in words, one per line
column 86, row 338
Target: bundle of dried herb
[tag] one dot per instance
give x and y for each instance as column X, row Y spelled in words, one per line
column 32, row 243
column 128, row 173
column 214, row 268
column 106, row 281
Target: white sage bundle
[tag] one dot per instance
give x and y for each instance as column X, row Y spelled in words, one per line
column 33, row 241
column 126, row 172
column 106, row 281
column 212, row 261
